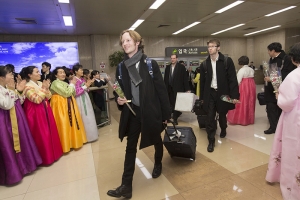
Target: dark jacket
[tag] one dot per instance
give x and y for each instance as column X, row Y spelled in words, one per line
column 154, row 103
column 45, row 77
column 288, row 66
column 98, row 94
column 180, row 79
column 226, row 80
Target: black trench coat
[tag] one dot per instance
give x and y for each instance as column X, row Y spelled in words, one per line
column 154, row 103
column 226, row 80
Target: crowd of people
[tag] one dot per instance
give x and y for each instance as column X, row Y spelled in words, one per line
column 57, row 116
column 57, row 113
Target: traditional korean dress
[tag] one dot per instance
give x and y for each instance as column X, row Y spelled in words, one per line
column 86, row 110
column 18, row 152
column 41, row 122
column 69, row 123
column 284, row 163
column 244, row 112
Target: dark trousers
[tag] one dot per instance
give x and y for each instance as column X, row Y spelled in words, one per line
column 172, row 99
column 131, row 148
column 273, row 113
column 211, row 123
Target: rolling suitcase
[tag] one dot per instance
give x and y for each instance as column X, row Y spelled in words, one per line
column 183, row 146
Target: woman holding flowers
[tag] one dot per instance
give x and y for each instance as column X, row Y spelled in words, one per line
column 284, row 163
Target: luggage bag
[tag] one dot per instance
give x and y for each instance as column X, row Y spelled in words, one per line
column 261, row 98
column 183, row 146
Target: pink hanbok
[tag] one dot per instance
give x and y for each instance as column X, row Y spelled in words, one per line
column 244, row 112
column 284, row 163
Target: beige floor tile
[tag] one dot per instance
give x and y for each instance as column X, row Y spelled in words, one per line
column 19, row 189
column 66, row 169
column 85, row 149
column 19, row 197
column 144, row 186
column 175, row 197
column 257, row 176
column 77, row 190
column 229, row 188
column 108, row 138
column 109, row 160
column 186, row 174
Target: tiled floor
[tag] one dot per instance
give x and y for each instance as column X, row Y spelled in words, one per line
column 235, row 170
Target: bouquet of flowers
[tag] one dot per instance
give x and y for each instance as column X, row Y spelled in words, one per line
column 275, row 76
column 266, row 71
column 226, row 98
column 119, row 91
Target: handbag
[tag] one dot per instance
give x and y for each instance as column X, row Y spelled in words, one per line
column 261, row 98
column 198, row 108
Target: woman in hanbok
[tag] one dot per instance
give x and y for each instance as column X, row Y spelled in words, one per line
column 244, row 112
column 84, row 104
column 39, row 115
column 69, row 123
column 98, row 94
column 18, row 153
column 284, row 162
column 196, row 80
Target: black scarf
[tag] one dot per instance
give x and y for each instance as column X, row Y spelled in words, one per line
column 130, row 65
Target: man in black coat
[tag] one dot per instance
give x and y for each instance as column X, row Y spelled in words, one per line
column 191, row 75
column 149, row 101
column 176, row 80
column 46, row 74
column 218, row 77
column 278, row 56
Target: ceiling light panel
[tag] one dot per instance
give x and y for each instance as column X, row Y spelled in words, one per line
column 157, row 4
column 279, row 11
column 68, row 20
column 262, row 30
column 136, row 24
column 187, row 27
column 233, row 27
column 229, row 6
column 63, row 1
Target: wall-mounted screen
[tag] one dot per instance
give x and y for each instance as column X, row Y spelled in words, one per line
column 23, row 54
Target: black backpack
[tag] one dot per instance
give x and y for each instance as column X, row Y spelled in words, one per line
column 198, row 108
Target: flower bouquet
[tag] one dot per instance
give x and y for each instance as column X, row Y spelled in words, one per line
column 275, row 76
column 226, row 98
column 266, row 71
column 119, row 91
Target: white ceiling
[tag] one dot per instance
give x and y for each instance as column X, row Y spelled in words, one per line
column 110, row 17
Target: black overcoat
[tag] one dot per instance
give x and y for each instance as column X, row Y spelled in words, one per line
column 226, row 81
column 154, row 103
column 180, row 79
column 288, row 66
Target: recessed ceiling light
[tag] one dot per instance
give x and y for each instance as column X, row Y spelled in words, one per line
column 156, row 4
column 187, row 27
column 136, row 24
column 227, row 29
column 68, row 20
column 262, row 30
column 279, row 11
column 229, row 6
column 63, row 1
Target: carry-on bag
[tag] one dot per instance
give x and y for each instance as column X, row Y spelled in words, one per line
column 261, row 98
column 180, row 141
column 200, row 112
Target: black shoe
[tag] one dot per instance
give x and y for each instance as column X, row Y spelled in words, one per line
column 211, row 145
column 269, row 131
column 223, row 133
column 121, row 191
column 157, row 171
column 175, row 121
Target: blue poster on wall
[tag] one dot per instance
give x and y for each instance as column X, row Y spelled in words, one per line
column 23, row 54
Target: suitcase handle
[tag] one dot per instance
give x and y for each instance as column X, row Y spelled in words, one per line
column 166, row 132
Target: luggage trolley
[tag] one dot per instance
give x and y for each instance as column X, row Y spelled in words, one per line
column 102, row 118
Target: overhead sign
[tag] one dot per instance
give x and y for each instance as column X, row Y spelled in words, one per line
column 186, row 51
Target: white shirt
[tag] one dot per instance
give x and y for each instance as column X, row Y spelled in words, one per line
column 214, row 83
column 245, row 72
column 172, row 69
